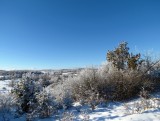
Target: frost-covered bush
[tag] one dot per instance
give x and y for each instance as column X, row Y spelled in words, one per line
column 25, row 94
column 54, row 80
column 132, row 72
column 122, row 85
column 122, row 77
column 46, row 104
column 66, row 100
column 108, row 83
column 44, row 107
column 68, row 116
column 62, row 93
column 44, row 80
column 142, row 105
column 6, row 105
column 105, row 68
column 85, row 87
column 33, row 99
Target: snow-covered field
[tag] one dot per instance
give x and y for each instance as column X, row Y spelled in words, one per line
column 112, row 113
column 134, row 110
column 4, row 86
column 120, row 113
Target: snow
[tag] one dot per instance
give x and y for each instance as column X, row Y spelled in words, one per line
column 65, row 74
column 110, row 111
column 4, row 86
column 118, row 113
column 113, row 113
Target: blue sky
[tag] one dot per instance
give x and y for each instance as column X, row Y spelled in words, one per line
column 53, row 34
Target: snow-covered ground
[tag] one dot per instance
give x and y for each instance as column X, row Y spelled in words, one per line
column 4, row 86
column 120, row 113
column 112, row 111
column 134, row 110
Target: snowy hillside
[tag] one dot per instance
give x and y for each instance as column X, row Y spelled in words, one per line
column 134, row 110
column 112, row 112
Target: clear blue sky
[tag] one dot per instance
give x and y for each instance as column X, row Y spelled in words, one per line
column 55, row 34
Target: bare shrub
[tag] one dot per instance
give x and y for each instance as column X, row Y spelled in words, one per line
column 144, row 94
column 85, row 116
column 6, row 106
column 68, row 116
column 108, row 83
column 62, row 93
column 54, row 80
column 142, row 105
column 85, row 87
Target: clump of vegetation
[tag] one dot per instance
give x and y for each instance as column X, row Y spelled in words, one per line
column 32, row 99
column 25, row 94
column 122, row 59
column 46, row 105
column 123, row 77
column 6, row 105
